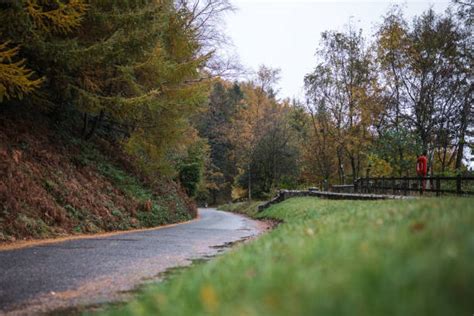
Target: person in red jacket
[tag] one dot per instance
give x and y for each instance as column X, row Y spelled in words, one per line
column 422, row 168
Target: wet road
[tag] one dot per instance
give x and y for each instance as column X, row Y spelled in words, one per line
column 95, row 270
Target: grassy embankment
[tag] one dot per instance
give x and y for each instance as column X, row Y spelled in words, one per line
column 53, row 183
column 335, row 258
column 246, row 208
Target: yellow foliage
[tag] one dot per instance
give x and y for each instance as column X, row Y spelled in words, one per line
column 15, row 79
column 209, row 298
column 62, row 19
column 250, row 121
column 215, row 180
column 379, row 167
column 238, row 193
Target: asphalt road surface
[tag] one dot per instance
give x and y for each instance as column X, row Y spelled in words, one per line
column 79, row 272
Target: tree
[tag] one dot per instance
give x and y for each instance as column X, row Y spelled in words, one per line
column 249, row 123
column 214, row 125
column 342, row 84
column 391, row 44
column 15, row 79
column 204, row 21
column 274, row 161
column 21, row 22
column 191, row 165
column 425, row 74
column 134, row 71
column 464, row 12
column 393, row 141
column 320, row 145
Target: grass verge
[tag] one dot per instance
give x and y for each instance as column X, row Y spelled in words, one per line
column 246, row 208
column 335, row 258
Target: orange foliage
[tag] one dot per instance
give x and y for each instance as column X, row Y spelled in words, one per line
column 44, row 193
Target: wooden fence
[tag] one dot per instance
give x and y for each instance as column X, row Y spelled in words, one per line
column 459, row 185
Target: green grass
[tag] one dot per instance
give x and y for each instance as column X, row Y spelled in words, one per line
column 246, row 208
column 160, row 213
column 411, row 257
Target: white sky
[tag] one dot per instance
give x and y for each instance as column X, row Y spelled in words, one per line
column 285, row 33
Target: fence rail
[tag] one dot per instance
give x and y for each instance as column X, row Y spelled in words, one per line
column 460, row 185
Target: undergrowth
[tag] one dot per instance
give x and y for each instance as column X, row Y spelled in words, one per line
column 246, row 208
column 53, row 183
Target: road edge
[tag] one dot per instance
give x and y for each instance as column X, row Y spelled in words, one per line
column 23, row 244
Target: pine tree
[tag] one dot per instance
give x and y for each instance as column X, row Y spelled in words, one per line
column 136, row 66
column 214, row 125
column 23, row 21
column 15, row 79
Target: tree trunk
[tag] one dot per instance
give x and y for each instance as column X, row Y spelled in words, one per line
column 400, row 162
column 460, row 155
column 462, row 137
column 339, row 168
column 84, row 124
column 95, row 125
column 250, row 184
column 354, row 168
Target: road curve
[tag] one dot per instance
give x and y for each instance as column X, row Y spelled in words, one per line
column 88, row 271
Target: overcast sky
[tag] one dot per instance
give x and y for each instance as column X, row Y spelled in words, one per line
column 285, row 33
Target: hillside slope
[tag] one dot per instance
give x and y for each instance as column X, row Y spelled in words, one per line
column 54, row 184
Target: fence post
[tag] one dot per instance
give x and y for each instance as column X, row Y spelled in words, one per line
column 438, row 186
column 406, row 185
column 368, row 178
column 458, row 184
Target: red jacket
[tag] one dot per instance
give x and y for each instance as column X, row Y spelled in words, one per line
column 422, row 166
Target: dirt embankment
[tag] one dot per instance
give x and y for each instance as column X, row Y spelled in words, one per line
column 53, row 183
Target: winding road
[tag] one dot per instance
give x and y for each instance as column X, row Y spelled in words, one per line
column 94, row 270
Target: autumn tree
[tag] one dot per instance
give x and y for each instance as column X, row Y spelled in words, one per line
column 423, row 67
column 465, row 127
column 134, row 71
column 342, row 83
column 263, row 137
column 16, row 80
column 320, row 156
column 396, row 143
column 247, row 127
column 214, row 125
column 26, row 21
column 275, row 158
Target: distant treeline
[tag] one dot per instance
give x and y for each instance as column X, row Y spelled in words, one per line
column 371, row 106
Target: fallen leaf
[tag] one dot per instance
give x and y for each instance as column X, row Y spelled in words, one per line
column 209, row 298
column 309, row 232
column 416, row 227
